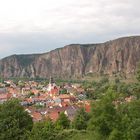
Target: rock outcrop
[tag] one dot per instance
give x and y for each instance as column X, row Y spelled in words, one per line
column 117, row 56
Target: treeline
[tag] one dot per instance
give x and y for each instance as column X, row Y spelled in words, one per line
column 94, row 89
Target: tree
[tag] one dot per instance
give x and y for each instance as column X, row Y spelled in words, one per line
column 117, row 80
column 80, row 120
column 63, row 91
column 138, row 73
column 1, row 79
column 21, row 84
column 62, row 122
column 115, row 119
column 136, row 90
column 14, row 121
column 104, row 114
column 43, row 130
column 134, row 129
column 115, row 135
column 128, row 120
column 104, row 80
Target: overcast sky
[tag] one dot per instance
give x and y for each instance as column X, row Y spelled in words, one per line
column 35, row 26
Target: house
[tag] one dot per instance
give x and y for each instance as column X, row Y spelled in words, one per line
column 64, row 104
column 36, row 116
column 5, row 97
column 3, row 90
column 35, row 91
column 76, row 86
column 30, row 101
column 28, row 110
column 12, row 90
column 53, row 115
column 33, row 84
column 67, row 98
column 71, row 91
column 8, row 82
column 57, row 100
column 71, row 111
column 52, row 88
column 54, row 111
column 54, row 92
column 130, row 98
column 87, row 108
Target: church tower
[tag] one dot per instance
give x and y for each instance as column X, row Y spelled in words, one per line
column 52, row 84
column 52, row 88
column 51, row 81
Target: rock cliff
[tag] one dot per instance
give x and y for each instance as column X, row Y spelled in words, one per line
column 117, row 56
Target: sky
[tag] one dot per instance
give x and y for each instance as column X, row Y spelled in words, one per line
column 38, row 26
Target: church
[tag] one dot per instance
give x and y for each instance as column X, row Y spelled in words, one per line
column 52, row 88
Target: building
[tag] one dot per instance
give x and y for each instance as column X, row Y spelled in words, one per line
column 52, row 88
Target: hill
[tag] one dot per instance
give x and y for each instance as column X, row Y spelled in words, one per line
column 120, row 56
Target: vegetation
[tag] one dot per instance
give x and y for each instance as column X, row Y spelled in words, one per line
column 80, row 120
column 15, row 123
column 63, row 91
column 43, row 131
column 112, row 117
column 63, row 122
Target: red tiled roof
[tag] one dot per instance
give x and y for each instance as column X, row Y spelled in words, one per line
column 36, row 116
column 5, row 96
column 29, row 99
column 88, row 108
column 54, row 115
column 9, row 95
column 54, row 91
column 65, row 96
column 64, row 104
column 35, row 91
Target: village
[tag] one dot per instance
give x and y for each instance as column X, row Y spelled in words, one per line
column 46, row 101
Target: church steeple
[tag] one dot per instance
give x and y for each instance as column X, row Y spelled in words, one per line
column 52, row 87
column 51, row 84
column 51, row 80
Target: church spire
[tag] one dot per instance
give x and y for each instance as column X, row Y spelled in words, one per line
column 51, row 80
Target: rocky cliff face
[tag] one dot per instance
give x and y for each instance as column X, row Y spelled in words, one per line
column 117, row 56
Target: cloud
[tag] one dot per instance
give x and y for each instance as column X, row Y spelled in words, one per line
column 41, row 25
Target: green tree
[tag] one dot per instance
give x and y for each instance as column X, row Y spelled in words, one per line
column 104, row 80
column 62, row 122
column 117, row 80
column 136, row 90
column 104, row 114
column 63, row 91
column 80, row 120
column 21, row 84
column 133, row 113
column 134, row 129
column 115, row 135
column 43, row 130
column 1, row 79
column 138, row 73
column 14, row 121
column 128, row 124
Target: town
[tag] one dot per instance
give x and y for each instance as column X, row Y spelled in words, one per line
column 44, row 101
column 56, row 109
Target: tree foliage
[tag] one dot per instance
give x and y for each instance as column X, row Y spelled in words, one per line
column 80, row 120
column 62, row 122
column 43, row 130
column 14, row 121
